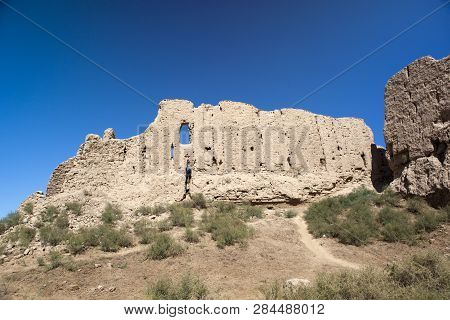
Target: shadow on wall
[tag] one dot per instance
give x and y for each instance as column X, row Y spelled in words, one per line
column 381, row 175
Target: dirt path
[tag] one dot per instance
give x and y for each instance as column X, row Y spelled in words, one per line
column 314, row 245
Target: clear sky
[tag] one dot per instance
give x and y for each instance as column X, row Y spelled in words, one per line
column 266, row 53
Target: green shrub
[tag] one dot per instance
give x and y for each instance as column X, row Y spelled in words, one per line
column 164, row 246
column 111, row 214
column 199, row 200
column 189, row 288
column 144, row 210
column 62, row 221
column 158, row 210
column 191, row 236
column 25, row 235
column 388, row 198
column 290, row 214
column 56, row 260
column 358, row 226
column 11, row 220
column 224, row 206
column 322, row 217
column 28, row 208
column 76, row 243
column 50, row 213
column 144, row 231
column 429, row 220
column 396, row 225
column 247, row 212
column 52, row 235
column 165, row 225
column 445, row 213
column 226, row 228
column 425, row 276
column 181, row 216
column 415, row 205
column 74, row 207
column 111, row 240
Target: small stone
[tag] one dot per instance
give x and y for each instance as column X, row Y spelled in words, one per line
column 112, row 289
column 92, row 137
column 97, row 265
column 109, row 265
column 297, row 282
column 74, row 287
column 100, row 288
column 19, row 256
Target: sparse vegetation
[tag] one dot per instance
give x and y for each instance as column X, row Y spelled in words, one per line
column 354, row 220
column 50, row 213
column 28, row 208
column 56, row 260
column 164, row 246
column 24, row 235
column 199, row 200
column 74, row 207
column 105, row 236
column 181, row 216
column 62, row 221
column 290, row 214
column 189, row 288
column 150, row 211
column 165, row 225
column 226, row 228
column 11, row 220
column 247, row 212
column 111, row 214
column 191, row 236
column 424, row 276
column 52, row 235
column 145, row 232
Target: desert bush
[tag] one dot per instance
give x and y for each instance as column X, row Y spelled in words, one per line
column 445, row 213
column 74, row 207
column 165, row 225
column 50, row 213
column 11, row 220
column 396, row 225
column 226, row 228
column 415, row 205
column 424, row 276
column 52, row 235
column 144, row 210
column 164, row 246
column 199, row 200
column 28, row 208
column 247, row 212
column 158, row 210
column 111, row 214
column 224, row 206
column 181, row 216
column 111, row 240
column 62, row 221
column 358, row 226
column 189, row 288
column 322, row 217
column 290, row 214
column 56, row 260
column 76, row 243
column 388, row 198
column 191, row 236
column 429, row 220
column 144, row 231
column 24, row 235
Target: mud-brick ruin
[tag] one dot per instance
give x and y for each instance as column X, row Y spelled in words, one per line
column 240, row 153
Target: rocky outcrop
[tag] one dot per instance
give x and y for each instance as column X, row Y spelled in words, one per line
column 417, row 128
column 237, row 152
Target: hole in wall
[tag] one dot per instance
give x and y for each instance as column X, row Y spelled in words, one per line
column 185, row 133
column 171, row 151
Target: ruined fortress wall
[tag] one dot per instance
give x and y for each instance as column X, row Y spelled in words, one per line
column 237, row 152
column 417, row 127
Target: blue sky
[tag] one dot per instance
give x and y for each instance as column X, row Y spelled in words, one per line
column 266, row 53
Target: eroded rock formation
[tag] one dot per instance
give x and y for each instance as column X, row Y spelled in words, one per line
column 237, row 152
column 417, row 128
